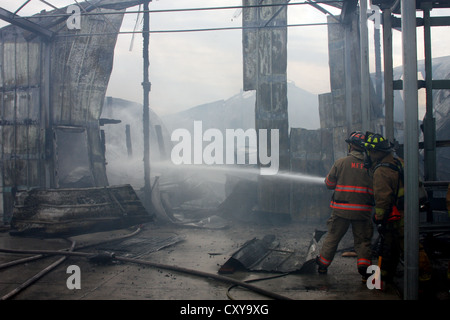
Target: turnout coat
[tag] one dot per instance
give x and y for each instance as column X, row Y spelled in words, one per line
column 352, row 185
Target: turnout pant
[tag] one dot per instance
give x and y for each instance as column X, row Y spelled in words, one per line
column 362, row 236
column 392, row 249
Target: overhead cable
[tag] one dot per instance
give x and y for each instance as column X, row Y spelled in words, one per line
column 192, row 30
column 183, row 9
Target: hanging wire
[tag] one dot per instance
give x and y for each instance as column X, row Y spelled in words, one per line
column 194, row 30
column 56, row 15
column 134, row 30
column 139, row 11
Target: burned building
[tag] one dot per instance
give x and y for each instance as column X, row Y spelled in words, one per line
column 53, row 88
column 341, row 112
column 54, row 84
column 53, row 94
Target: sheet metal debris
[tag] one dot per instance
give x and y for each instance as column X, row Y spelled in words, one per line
column 56, row 212
column 267, row 255
column 140, row 245
column 212, row 222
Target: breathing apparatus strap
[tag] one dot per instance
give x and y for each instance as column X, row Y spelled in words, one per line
column 394, row 213
column 367, row 160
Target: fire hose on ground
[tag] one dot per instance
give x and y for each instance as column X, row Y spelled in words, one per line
column 40, row 256
column 109, row 257
column 36, row 276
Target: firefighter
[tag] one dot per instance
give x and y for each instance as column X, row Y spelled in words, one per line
column 352, row 204
column 388, row 191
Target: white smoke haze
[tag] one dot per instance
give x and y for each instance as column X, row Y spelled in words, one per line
column 192, row 68
column 189, row 69
column 125, row 169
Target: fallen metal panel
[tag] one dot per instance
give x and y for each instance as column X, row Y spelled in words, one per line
column 267, row 255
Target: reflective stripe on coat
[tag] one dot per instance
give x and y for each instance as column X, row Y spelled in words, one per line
column 352, row 185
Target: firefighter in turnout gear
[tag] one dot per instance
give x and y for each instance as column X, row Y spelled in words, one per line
column 387, row 170
column 352, row 204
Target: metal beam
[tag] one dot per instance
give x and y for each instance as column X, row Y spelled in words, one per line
column 410, row 94
column 23, row 5
column 439, row 21
column 429, row 122
column 25, row 24
column 323, row 10
column 435, row 84
column 388, row 75
column 440, row 84
column 364, row 55
column 120, row 4
column 434, row 22
column 146, row 112
column 49, row 4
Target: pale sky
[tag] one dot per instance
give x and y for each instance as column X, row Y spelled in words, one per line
column 192, row 68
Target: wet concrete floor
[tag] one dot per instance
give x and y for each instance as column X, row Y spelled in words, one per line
column 200, row 249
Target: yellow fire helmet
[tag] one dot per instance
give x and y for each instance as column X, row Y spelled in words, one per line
column 375, row 141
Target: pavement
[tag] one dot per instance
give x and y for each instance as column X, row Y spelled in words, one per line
column 203, row 250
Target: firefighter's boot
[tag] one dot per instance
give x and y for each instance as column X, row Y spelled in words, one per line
column 322, row 269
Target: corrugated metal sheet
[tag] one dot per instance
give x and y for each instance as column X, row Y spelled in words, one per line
column 267, row 254
column 265, row 65
column 312, row 154
column 46, row 85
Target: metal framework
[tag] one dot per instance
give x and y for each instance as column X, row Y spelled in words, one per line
column 26, row 24
column 408, row 24
column 410, row 85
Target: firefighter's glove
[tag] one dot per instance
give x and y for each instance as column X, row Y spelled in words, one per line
column 379, row 219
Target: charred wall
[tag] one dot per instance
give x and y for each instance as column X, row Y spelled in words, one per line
column 51, row 94
column 340, row 109
column 311, row 153
column 265, row 66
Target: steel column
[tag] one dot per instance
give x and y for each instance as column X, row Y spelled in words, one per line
column 429, row 122
column 388, row 75
column 146, row 111
column 365, row 80
column 411, row 240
